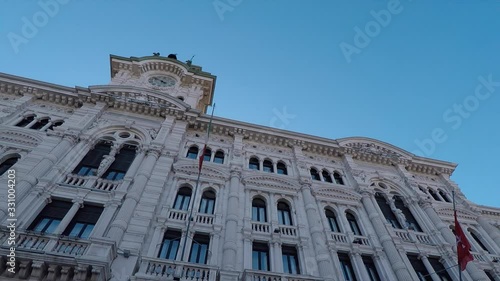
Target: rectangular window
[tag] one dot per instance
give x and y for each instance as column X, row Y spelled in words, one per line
column 260, row 256
column 259, row 214
column 199, row 248
column 89, row 164
column 50, row 217
column 123, row 160
column 207, row 206
column 419, row 267
column 284, row 217
column 182, row 202
column 346, row 266
column 170, row 245
column 83, row 222
column 370, row 268
column 290, row 260
column 439, row 269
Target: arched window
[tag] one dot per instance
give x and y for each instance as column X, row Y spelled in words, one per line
column 182, row 199
column 326, row 176
column 219, row 157
column 207, row 203
column 8, row 163
column 25, row 121
column 410, row 219
column 434, row 195
column 351, row 219
column 55, row 124
column 281, row 167
column 207, row 154
column 445, row 196
column 123, row 160
column 40, row 123
column 390, row 217
column 284, row 216
column 315, row 175
column 259, row 210
column 332, row 221
column 268, row 166
column 89, row 164
column 478, row 241
column 253, row 164
column 192, row 152
column 338, row 178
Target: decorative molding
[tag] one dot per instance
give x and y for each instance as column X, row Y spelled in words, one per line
column 270, row 181
column 208, row 171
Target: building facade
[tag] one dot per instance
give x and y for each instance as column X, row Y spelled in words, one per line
column 100, row 183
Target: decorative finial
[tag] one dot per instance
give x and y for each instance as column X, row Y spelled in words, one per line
column 156, row 54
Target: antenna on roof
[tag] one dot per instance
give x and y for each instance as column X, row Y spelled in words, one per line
column 190, row 61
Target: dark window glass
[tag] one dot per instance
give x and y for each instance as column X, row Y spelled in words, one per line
column 40, row 123
column 326, row 176
column 122, row 162
column 259, row 210
column 290, row 260
column 50, row 217
column 490, row 275
column 315, row 175
column 346, row 266
column 268, row 166
column 445, row 196
column 338, row 178
column 434, row 195
column 207, row 202
column 55, row 124
column 353, row 224
column 419, row 268
column 390, row 217
column 281, row 167
column 83, row 222
column 207, row 155
column 7, row 164
column 332, row 221
column 478, row 241
column 253, row 164
column 284, row 216
column 410, row 219
column 371, row 269
column 219, row 157
column 439, row 269
column 89, row 164
column 199, row 249
column 25, row 121
column 170, row 245
column 260, row 256
column 192, row 152
column 182, row 199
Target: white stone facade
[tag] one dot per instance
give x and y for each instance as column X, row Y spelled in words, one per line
column 158, row 106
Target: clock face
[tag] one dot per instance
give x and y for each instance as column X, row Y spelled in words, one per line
column 162, row 81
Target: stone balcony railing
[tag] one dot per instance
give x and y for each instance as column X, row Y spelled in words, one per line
column 485, row 257
column 288, row 230
column 342, row 238
column 160, row 269
column 199, row 218
column 91, row 182
column 256, row 275
column 411, row 236
column 261, row 227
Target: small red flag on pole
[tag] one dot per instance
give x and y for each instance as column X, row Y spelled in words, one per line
column 463, row 246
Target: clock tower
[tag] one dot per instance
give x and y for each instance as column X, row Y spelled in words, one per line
column 165, row 76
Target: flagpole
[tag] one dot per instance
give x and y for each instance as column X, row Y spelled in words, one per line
column 197, row 184
column 458, row 258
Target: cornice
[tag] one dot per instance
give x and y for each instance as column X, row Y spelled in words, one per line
column 186, row 167
column 20, row 136
column 277, row 182
column 336, row 194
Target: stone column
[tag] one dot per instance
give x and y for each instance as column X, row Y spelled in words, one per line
column 77, row 204
column 157, row 240
column 119, row 225
column 492, row 231
column 230, row 247
column 325, row 265
column 32, row 122
column 46, row 126
column 105, row 218
column 395, row 259
column 214, row 246
column 472, row 269
column 429, row 267
column 277, row 253
column 359, row 265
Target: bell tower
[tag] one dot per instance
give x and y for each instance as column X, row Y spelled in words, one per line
column 167, row 76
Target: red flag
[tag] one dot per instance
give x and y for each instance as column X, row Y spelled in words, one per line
column 202, row 156
column 463, row 246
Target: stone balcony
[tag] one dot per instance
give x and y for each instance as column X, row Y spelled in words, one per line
column 347, row 239
column 198, row 218
column 50, row 257
column 257, row 275
column 91, row 182
column 161, row 269
column 410, row 236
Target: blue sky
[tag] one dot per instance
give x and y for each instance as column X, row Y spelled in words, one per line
column 411, row 73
